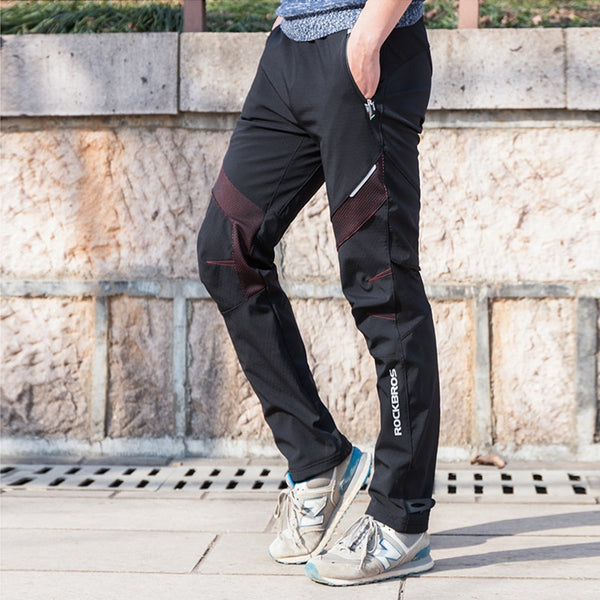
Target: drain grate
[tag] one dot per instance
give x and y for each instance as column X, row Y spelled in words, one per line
column 512, row 484
column 200, row 478
column 543, row 485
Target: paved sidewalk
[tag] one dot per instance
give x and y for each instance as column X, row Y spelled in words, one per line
column 184, row 544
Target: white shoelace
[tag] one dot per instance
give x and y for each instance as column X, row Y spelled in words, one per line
column 364, row 529
column 289, row 510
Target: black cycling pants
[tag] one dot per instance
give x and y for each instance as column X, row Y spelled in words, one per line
column 304, row 122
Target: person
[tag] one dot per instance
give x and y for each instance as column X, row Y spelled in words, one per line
column 339, row 97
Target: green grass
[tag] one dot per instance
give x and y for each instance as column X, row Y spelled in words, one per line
column 98, row 16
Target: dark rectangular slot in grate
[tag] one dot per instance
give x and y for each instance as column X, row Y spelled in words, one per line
column 86, row 482
column 507, row 489
column 579, row 489
column 478, row 477
column 452, row 489
column 101, row 471
column 205, row 484
column 189, row 472
column 6, row 470
column 56, row 481
column 116, row 483
column 231, row 485
column 451, row 476
column 506, row 477
column 129, row 471
column 478, row 489
column 43, row 470
column 143, row 483
column 239, row 472
column 22, row 481
column 257, row 485
column 537, row 477
column 73, row 470
column 541, row 489
column 574, row 477
column 179, row 485
column 214, row 472
column 264, row 472
column 154, row 472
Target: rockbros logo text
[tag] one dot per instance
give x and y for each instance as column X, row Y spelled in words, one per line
column 395, row 403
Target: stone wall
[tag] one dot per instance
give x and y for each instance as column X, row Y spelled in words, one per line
column 111, row 345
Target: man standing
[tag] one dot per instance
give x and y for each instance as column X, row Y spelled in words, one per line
column 340, row 96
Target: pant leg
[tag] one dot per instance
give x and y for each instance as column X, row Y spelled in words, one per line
column 371, row 169
column 271, row 169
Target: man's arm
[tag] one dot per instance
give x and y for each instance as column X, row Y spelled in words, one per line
column 375, row 23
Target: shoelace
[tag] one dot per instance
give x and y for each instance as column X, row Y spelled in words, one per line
column 289, row 509
column 365, row 527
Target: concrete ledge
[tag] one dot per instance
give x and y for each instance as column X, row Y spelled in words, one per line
column 104, row 74
column 15, row 446
column 583, row 69
column 498, row 68
column 89, row 74
column 217, row 69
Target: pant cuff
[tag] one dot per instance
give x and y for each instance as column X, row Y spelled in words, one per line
column 416, row 523
column 304, row 473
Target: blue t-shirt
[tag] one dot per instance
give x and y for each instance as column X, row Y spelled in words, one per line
column 306, row 20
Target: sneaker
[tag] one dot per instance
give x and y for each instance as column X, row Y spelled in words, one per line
column 310, row 511
column 371, row 551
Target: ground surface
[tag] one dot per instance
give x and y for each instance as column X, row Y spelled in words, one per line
column 92, row 544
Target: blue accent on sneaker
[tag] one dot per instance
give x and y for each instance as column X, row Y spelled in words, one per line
column 311, row 571
column 350, row 470
column 291, row 483
column 422, row 554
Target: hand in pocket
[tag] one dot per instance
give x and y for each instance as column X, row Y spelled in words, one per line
column 364, row 67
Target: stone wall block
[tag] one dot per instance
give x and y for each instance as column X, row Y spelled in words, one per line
column 89, row 74
column 510, row 205
column 308, row 246
column 583, row 68
column 455, row 335
column 342, row 366
column 140, row 398
column 533, row 371
column 47, row 353
column 222, row 403
column 217, row 69
column 110, row 204
column 498, row 68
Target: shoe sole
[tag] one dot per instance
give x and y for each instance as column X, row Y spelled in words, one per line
column 415, row 567
column 361, row 474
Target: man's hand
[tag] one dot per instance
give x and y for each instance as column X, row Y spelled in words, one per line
column 376, row 21
column 364, row 66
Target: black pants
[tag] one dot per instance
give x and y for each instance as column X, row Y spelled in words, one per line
column 305, row 122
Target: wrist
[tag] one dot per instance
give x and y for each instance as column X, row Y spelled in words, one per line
column 368, row 43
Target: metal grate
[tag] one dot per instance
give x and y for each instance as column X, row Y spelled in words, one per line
column 513, row 484
column 200, row 478
column 449, row 484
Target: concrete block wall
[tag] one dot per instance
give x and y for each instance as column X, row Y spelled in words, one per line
column 111, row 144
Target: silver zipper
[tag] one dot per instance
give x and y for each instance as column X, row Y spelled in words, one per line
column 370, row 108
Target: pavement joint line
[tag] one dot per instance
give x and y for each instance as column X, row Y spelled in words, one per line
column 429, row 574
column 210, row 546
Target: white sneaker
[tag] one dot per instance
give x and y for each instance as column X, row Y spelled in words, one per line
column 310, row 511
column 371, row 551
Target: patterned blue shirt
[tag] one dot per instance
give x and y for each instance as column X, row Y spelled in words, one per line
column 306, row 20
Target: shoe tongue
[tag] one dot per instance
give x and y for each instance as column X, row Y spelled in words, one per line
column 321, row 480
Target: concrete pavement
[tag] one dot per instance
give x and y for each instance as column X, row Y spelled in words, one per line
column 91, row 544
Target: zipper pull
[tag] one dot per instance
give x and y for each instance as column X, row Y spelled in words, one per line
column 370, row 108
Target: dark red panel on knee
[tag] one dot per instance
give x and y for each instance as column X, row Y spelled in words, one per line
column 360, row 207
column 245, row 218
